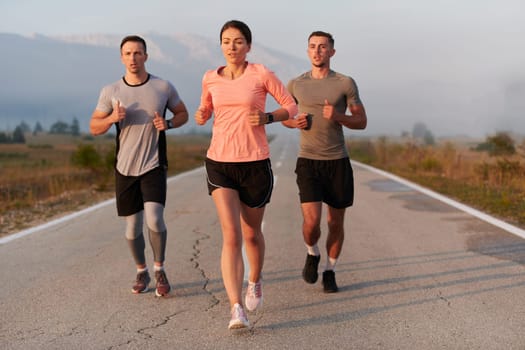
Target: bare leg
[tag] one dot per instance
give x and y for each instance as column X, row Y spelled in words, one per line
column 336, row 232
column 228, row 209
column 251, row 221
column 311, row 222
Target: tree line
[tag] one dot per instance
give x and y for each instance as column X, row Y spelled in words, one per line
column 59, row 127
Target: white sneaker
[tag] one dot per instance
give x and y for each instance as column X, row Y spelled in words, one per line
column 239, row 319
column 254, row 296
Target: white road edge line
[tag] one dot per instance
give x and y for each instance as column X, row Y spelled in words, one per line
column 469, row 210
column 71, row 216
column 480, row 215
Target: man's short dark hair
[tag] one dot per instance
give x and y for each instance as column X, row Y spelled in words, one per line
column 134, row 38
column 325, row 34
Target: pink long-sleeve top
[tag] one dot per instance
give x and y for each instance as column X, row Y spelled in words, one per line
column 233, row 138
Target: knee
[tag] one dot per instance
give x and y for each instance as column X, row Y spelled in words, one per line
column 155, row 216
column 133, row 232
column 311, row 226
column 252, row 237
column 157, row 224
column 232, row 242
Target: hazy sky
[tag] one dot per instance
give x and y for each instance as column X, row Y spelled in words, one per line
column 453, row 64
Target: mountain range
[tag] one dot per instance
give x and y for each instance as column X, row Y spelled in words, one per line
column 48, row 79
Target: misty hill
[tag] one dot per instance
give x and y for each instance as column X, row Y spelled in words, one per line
column 49, row 79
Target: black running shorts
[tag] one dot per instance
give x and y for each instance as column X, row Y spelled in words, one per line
column 253, row 180
column 328, row 181
column 133, row 191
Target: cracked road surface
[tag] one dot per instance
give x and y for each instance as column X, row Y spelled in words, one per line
column 415, row 273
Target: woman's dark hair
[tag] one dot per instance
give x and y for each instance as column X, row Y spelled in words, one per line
column 241, row 26
column 134, row 38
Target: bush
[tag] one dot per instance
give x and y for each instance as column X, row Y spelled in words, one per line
column 500, row 144
column 431, row 164
column 86, row 156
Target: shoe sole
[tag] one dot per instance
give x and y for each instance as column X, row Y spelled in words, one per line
column 162, row 295
column 140, row 291
column 310, row 281
column 239, row 325
column 257, row 308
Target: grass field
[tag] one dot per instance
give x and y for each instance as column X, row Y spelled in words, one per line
column 39, row 180
column 492, row 183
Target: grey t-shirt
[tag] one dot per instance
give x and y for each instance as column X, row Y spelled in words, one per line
column 325, row 139
column 138, row 149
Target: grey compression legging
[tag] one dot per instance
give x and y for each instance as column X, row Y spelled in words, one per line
column 154, row 213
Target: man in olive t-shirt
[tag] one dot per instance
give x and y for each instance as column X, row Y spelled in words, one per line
column 324, row 172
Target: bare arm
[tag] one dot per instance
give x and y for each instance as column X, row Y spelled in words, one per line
column 180, row 117
column 356, row 120
column 102, row 121
column 299, row 122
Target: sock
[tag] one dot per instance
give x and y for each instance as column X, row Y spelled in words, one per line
column 142, row 270
column 313, row 250
column 330, row 263
column 158, row 268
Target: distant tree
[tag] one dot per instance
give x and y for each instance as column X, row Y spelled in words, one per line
column 429, row 138
column 75, row 127
column 59, row 128
column 419, row 130
column 4, row 138
column 38, row 128
column 24, row 127
column 18, row 135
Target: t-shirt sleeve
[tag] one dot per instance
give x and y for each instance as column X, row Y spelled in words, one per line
column 290, row 88
column 352, row 95
column 173, row 96
column 104, row 103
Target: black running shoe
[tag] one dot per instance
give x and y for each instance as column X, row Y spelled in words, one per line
column 329, row 285
column 310, row 268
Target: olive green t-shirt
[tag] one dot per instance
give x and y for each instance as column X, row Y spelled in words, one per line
column 325, row 139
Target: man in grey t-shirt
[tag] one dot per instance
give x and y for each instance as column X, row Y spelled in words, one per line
column 324, row 172
column 137, row 106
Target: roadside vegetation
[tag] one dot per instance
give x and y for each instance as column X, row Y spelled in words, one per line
column 486, row 174
column 46, row 174
column 52, row 174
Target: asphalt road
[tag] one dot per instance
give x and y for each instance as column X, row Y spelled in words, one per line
column 415, row 273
